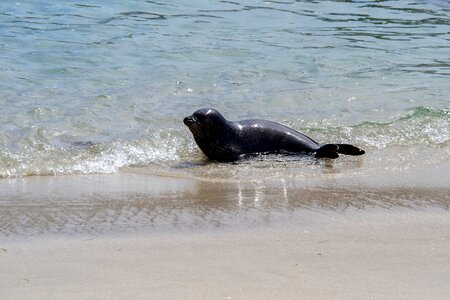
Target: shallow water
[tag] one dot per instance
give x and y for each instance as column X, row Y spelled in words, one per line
column 92, row 88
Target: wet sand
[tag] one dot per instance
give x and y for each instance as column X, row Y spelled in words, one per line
column 134, row 235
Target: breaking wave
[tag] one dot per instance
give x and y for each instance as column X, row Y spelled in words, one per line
column 40, row 154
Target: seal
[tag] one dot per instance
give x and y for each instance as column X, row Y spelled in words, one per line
column 226, row 141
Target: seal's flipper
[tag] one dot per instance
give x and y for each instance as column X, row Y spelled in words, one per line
column 328, row 151
column 349, row 149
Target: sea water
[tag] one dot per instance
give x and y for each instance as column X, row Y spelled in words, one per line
column 98, row 86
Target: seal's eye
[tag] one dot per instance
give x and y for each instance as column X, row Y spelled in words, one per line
column 200, row 117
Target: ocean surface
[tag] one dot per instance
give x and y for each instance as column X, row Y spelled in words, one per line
column 98, row 86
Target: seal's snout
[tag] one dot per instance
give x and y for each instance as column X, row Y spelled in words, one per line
column 189, row 120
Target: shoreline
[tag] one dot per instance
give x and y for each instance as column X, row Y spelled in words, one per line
column 132, row 200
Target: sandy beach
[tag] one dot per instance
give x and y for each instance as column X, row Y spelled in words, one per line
column 138, row 236
column 370, row 255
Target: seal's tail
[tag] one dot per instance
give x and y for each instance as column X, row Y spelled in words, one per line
column 333, row 150
column 350, row 149
column 328, row 150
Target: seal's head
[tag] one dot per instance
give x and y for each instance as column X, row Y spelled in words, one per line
column 212, row 133
column 205, row 123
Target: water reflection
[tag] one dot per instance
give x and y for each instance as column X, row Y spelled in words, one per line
column 34, row 209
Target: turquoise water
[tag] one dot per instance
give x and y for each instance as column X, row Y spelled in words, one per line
column 92, row 87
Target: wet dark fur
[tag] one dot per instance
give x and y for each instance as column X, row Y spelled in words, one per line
column 223, row 140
